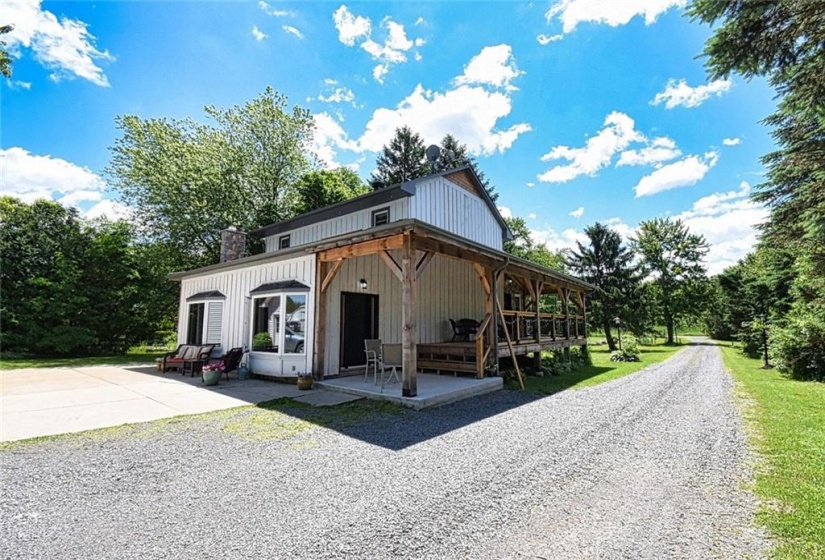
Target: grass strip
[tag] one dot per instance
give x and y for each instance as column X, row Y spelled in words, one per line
column 128, row 358
column 786, row 427
column 602, row 370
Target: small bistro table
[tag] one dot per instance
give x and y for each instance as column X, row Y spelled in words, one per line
column 191, row 367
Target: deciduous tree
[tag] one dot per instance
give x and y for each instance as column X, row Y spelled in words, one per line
column 674, row 257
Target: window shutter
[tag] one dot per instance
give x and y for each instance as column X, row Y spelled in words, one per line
column 214, row 320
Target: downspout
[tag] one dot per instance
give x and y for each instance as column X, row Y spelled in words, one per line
column 496, row 272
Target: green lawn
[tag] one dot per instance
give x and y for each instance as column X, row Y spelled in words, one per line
column 601, row 371
column 786, row 425
column 128, row 358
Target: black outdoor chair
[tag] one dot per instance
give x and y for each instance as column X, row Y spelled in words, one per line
column 464, row 329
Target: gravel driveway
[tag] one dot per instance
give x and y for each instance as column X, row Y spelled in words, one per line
column 649, row 466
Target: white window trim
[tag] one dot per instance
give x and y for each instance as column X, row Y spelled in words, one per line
column 281, row 342
column 207, row 307
column 378, row 212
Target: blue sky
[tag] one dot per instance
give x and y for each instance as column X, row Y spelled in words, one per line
column 577, row 110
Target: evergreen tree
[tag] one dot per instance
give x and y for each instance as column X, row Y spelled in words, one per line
column 783, row 40
column 609, row 266
column 404, row 159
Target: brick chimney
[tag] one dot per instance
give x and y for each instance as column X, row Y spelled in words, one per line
column 233, row 244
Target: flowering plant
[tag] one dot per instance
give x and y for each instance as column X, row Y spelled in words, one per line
column 214, row 366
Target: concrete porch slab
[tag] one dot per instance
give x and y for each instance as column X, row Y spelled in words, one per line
column 326, row 398
column 433, row 390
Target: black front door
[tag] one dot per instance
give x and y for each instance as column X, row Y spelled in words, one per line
column 359, row 321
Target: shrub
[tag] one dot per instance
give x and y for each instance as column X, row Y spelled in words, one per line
column 798, row 347
column 261, row 341
column 629, row 350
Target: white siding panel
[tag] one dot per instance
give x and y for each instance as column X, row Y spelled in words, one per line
column 236, row 285
column 348, row 223
column 448, row 289
column 445, row 205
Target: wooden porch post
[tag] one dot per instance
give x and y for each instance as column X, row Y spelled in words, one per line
column 320, row 318
column 567, row 323
column 537, row 288
column 409, row 312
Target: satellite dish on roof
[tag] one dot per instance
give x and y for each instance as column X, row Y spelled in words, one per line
column 433, row 153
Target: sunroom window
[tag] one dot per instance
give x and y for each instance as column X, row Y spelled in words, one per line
column 279, row 318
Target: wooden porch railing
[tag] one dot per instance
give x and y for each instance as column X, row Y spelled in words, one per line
column 552, row 326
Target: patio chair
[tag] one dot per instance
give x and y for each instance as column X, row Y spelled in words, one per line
column 231, row 360
column 372, row 348
column 464, row 329
column 184, row 354
column 392, row 359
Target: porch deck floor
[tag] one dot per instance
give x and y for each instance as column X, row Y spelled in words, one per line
column 433, row 390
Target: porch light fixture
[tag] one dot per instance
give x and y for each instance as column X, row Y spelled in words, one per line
column 363, row 284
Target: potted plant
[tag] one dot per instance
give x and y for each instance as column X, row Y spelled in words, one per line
column 261, row 341
column 211, row 373
column 304, row 381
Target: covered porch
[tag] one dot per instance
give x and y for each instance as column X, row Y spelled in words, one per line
column 521, row 308
column 431, row 390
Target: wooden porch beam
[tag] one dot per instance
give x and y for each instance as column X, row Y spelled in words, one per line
column 409, row 313
column 482, row 276
column 364, row 248
column 328, row 277
column 422, row 264
column 391, row 264
column 509, row 342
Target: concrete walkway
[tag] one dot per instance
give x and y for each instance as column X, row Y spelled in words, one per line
column 44, row 402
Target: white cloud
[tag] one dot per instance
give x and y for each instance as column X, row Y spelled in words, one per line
column 420, row 21
column 558, row 241
column 680, row 94
column 271, row 12
column 547, row 39
column 616, row 134
column 258, row 34
column 505, row 212
column 531, row 216
column 659, row 150
column 352, row 28
column 531, row 184
column 16, row 84
column 578, row 212
column 108, row 209
column 683, row 173
column 493, row 66
column 292, row 31
column 29, row 177
column 338, row 95
column 728, row 221
column 329, row 137
column 469, row 113
column 63, row 46
column 611, row 12
column 731, row 141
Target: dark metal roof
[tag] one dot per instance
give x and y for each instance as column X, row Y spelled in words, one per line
column 374, row 198
column 282, row 286
column 214, row 294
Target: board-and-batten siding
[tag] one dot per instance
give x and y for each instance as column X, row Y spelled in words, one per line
column 355, row 221
column 448, row 206
column 235, row 285
column 447, row 289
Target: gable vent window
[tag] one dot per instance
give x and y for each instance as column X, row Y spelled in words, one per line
column 283, row 242
column 381, row 217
